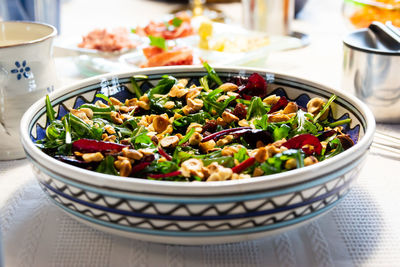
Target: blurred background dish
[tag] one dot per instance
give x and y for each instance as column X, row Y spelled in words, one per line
column 226, row 49
column 99, row 42
column 360, row 13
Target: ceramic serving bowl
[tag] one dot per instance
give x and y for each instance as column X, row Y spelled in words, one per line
column 197, row 212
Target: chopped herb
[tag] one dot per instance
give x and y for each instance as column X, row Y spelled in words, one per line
column 158, row 42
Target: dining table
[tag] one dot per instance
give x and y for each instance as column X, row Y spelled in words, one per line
column 362, row 230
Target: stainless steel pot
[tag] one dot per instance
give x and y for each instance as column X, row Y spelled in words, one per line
column 371, row 71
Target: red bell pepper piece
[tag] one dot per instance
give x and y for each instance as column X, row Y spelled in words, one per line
column 244, row 165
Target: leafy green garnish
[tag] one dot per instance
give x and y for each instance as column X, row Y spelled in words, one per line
column 176, row 22
column 224, row 161
column 210, row 101
column 49, row 110
column 281, row 132
column 107, row 166
column 55, row 130
column 99, row 112
column 140, row 139
column 262, row 123
column 303, row 124
column 163, row 86
column 336, row 148
column 183, row 122
column 187, row 136
column 338, row 123
column 158, row 42
column 212, row 74
column 276, row 164
column 67, row 127
column 324, row 108
column 105, row 98
column 136, row 88
column 143, row 141
column 241, row 155
column 161, row 167
column 204, row 83
column 256, row 108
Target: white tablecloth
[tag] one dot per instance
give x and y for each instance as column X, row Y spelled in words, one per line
column 363, row 230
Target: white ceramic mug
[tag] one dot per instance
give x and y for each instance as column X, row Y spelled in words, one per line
column 27, row 73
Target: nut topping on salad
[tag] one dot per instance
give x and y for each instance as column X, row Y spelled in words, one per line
column 204, row 130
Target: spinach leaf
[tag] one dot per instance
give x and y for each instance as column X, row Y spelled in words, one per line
column 241, row 155
column 224, row 161
column 157, row 104
column 303, row 124
column 163, row 86
column 81, row 129
column 183, row 122
column 256, row 108
column 131, row 124
column 210, row 101
column 140, row 139
column 262, row 123
column 161, row 167
column 276, row 164
column 107, row 166
column 281, row 132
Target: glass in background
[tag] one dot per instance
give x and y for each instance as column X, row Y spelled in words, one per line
column 201, row 8
column 269, row 16
column 46, row 11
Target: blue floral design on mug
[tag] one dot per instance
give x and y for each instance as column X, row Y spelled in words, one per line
column 21, row 70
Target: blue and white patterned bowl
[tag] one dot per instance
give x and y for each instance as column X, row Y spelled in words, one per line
column 194, row 212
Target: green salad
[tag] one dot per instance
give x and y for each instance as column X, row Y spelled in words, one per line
column 205, row 130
